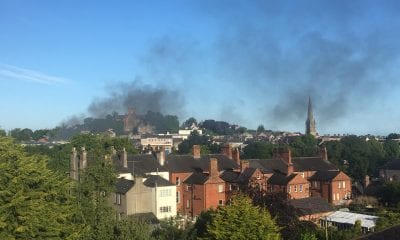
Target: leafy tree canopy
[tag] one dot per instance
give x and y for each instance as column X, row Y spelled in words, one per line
column 34, row 202
column 242, row 220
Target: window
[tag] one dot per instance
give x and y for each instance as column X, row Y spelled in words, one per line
column 221, row 188
column 117, row 199
column 165, row 209
column 289, row 189
column 301, row 188
column 187, row 187
column 165, row 193
column 230, row 187
column 220, row 202
column 188, row 203
column 337, row 196
column 315, row 184
column 302, row 174
column 177, row 181
column 258, row 176
column 178, row 197
column 344, row 184
column 295, row 188
column 339, row 184
column 333, row 196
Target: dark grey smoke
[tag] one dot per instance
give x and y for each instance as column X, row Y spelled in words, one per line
column 290, row 51
column 138, row 95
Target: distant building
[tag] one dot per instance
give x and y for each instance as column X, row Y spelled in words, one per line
column 390, row 172
column 310, row 122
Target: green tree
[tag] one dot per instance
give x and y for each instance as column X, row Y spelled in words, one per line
column 392, row 149
column 189, row 122
column 304, row 146
column 242, row 220
column 194, row 139
column 258, row 150
column 132, row 229
column 356, row 152
column 21, row 134
column 260, row 128
column 3, row 133
column 34, row 202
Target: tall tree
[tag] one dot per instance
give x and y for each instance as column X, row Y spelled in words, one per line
column 304, row 146
column 242, row 220
column 34, row 202
column 260, row 150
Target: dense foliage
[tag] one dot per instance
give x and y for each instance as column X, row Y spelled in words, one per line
column 34, row 202
column 242, row 220
column 204, row 141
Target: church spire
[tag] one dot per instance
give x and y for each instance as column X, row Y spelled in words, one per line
column 310, row 122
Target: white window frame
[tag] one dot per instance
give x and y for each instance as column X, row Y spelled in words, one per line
column 220, row 202
column 221, row 188
column 300, row 187
column 295, row 188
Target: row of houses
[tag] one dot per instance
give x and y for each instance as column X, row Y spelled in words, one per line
column 168, row 184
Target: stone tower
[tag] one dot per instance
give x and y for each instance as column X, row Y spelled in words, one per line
column 310, row 122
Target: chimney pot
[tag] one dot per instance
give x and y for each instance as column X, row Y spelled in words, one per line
column 161, row 156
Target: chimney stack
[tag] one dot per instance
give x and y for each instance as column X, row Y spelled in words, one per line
column 244, row 164
column 285, row 155
column 236, row 156
column 323, row 153
column 161, row 156
column 83, row 159
column 196, row 151
column 227, row 150
column 124, row 158
column 213, row 171
column 74, row 164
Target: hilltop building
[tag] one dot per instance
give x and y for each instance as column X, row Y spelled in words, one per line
column 310, row 122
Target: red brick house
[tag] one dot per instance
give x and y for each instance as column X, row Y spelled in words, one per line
column 191, row 175
column 293, row 173
column 334, row 186
column 203, row 190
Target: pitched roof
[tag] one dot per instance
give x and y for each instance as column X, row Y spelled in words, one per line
column 280, row 179
column 324, row 175
column 230, row 176
column 186, row 163
column 197, row 178
column 123, row 185
column 392, row 165
column 151, row 181
column 311, row 205
column 300, row 164
column 246, row 174
column 142, row 164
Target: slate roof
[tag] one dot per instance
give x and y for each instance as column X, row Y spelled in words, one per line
column 142, row 164
column 324, row 175
column 186, row 163
column 161, row 182
column 123, row 185
column 300, row 164
column 311, row 205
column 392, row 165
column 311, row 164
column 280, row 179
column 230, row 176
column 246, row 174
column 197, row 178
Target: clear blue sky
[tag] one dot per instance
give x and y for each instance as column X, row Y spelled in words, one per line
column 245, row 62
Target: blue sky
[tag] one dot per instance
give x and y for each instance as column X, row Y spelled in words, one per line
column 245, row 62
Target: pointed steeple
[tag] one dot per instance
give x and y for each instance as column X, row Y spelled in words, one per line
column 310, row 122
